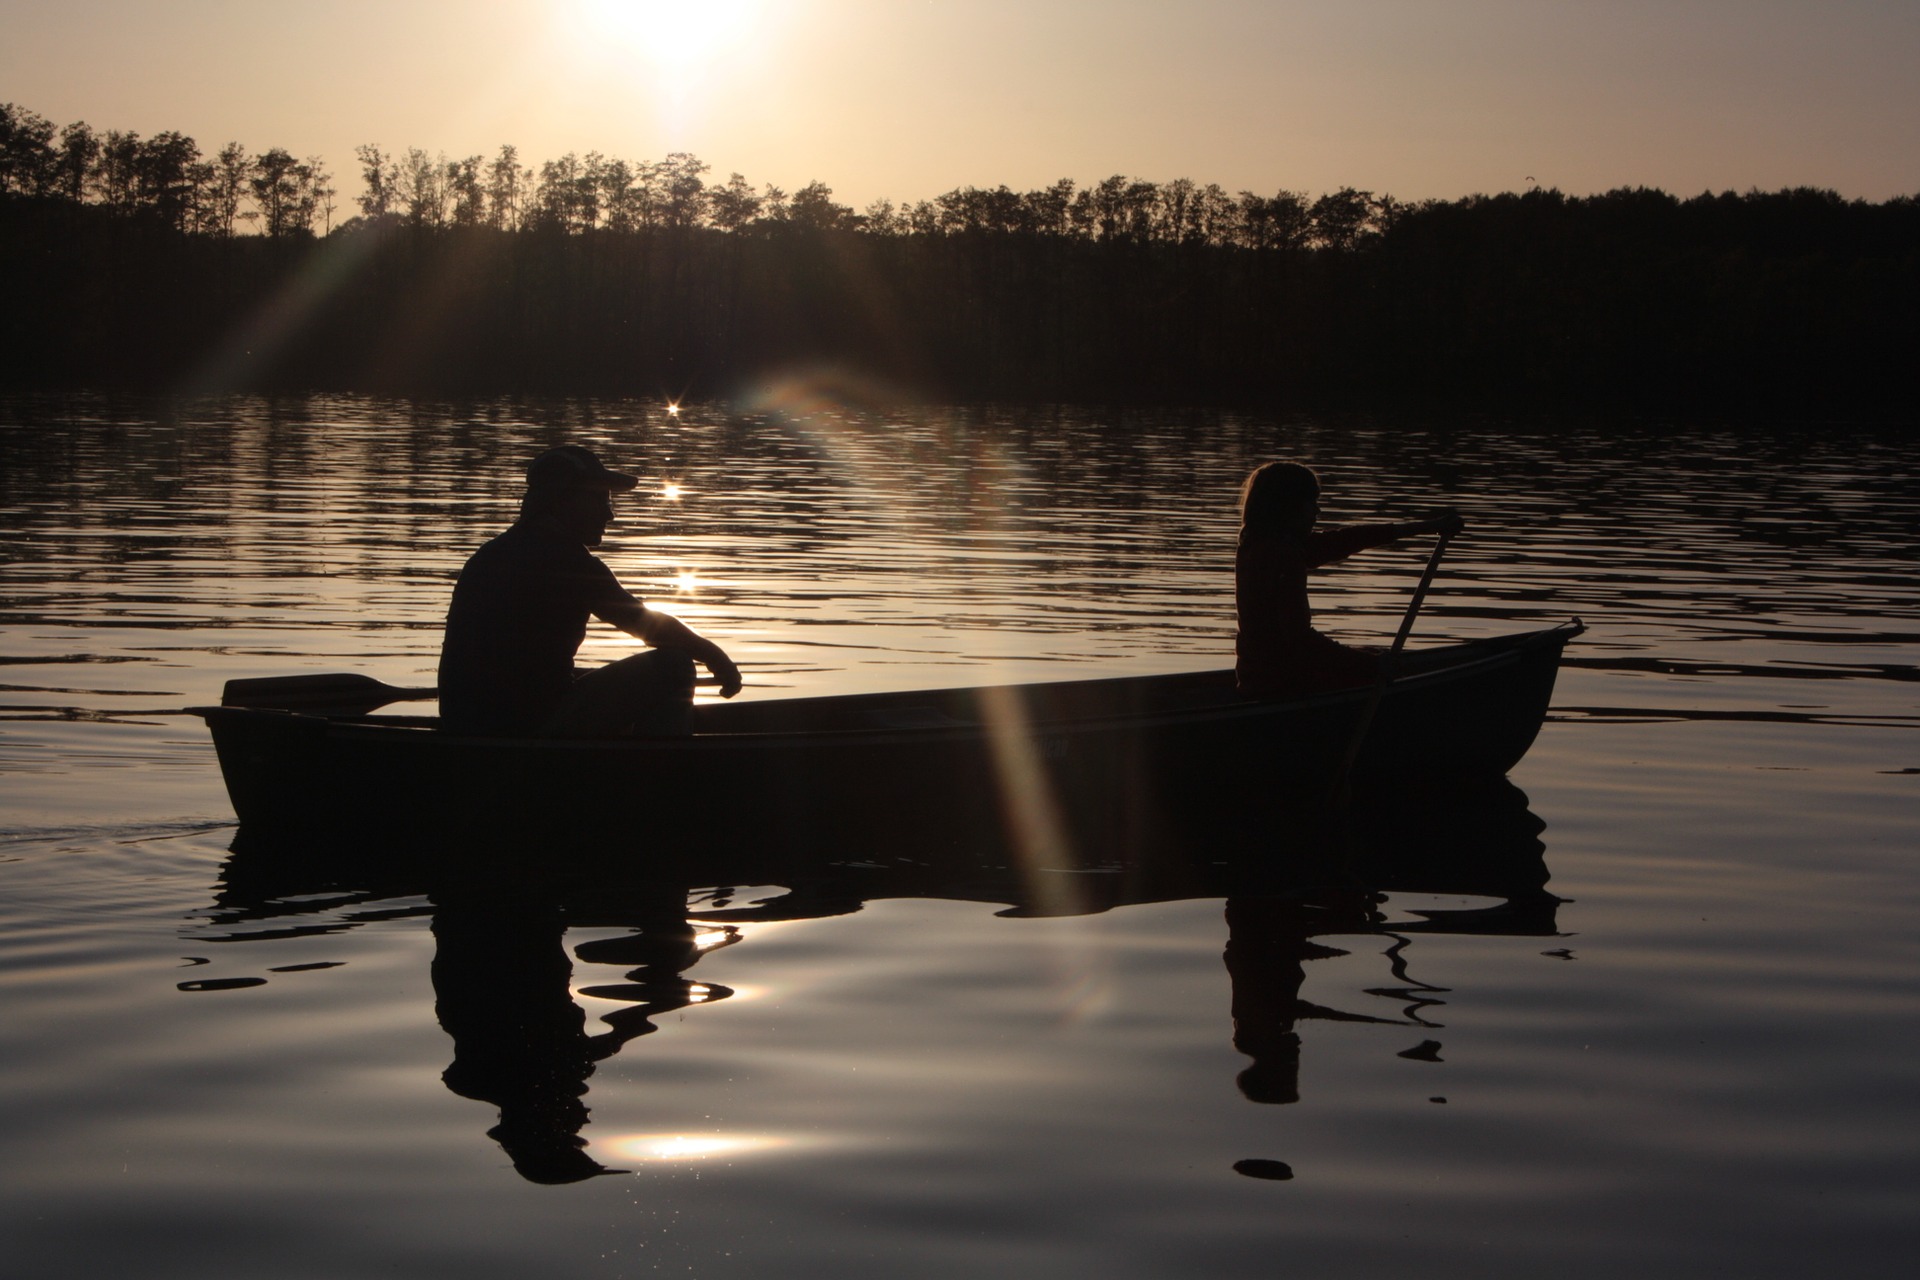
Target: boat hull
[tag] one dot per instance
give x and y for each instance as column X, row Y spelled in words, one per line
column 1046, row 769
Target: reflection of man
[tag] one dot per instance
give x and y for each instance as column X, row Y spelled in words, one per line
column 520, row 611
column 500, row 977
column 502, row 990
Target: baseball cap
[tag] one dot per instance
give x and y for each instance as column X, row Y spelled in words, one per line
column 572, row 466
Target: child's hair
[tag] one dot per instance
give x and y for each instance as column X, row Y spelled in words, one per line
column 1274, row 493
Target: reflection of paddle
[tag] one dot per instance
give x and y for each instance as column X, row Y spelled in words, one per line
column 337, row 694
column 1339, row 794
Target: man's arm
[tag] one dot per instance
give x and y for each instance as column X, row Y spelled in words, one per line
column 664, row 631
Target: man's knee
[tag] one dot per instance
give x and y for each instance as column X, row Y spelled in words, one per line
column 662, row 668
column 658, row 674
column 674, row 668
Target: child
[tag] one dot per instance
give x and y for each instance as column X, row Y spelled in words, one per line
column 1279, row 653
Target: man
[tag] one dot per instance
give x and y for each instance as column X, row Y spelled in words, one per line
column 520, row 611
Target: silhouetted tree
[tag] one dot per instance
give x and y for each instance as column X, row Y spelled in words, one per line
column 814, row 209
column 1341, row 218
column 773, row 205
column 26, row 150
column 380, row 175
column 164, row 177
column 422, row 188
column 282, row 187
column 568, row 197
column 1050, row 209
column 882, row 219
column 684, row 192
column 733, row 205
column 467, row 191
column 116, row 178
column 226, row 186
column 506, row 187
column 320, row 194
column 78, row 154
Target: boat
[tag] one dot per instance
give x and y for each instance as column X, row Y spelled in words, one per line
column 1115, row 763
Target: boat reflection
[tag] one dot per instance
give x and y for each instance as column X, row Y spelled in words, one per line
column 504, row 980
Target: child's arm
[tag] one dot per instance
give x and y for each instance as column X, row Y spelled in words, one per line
column 1338, row 544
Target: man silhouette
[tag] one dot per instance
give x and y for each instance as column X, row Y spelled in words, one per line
column 520, row 610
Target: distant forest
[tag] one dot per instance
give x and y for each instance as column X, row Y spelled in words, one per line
column 143, row 263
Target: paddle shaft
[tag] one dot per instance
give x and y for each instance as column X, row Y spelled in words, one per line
column 1339, row 792
column 342, row 693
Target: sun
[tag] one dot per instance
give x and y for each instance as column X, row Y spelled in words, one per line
column 680, row 38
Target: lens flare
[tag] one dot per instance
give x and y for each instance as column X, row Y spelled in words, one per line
column 1031, row 812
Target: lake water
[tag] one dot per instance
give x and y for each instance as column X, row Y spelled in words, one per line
column 1693, row 1052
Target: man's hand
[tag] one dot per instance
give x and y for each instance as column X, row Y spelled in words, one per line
column 721, row 667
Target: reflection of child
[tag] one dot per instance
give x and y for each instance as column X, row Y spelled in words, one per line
column 1278, row 651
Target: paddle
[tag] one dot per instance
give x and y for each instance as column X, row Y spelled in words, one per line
column 1339, row 796
column 336, row 694
column 339, row 694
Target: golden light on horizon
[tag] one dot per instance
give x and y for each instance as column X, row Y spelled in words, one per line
column 671, row 491
column 673, row 408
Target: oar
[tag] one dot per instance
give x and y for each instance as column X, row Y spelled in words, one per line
column 336, row 694
column 1338, row 795
column 339, row 694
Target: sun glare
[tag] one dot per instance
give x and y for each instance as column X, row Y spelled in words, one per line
column 678, row 38
column 671, row 491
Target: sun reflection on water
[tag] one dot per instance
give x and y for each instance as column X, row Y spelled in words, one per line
column 687, row 1146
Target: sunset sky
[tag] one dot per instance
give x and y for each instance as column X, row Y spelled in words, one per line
column 909, row 98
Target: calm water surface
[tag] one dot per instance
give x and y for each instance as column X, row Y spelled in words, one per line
column 1691, row 1053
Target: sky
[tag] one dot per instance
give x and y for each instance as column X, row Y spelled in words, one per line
column 907, row 99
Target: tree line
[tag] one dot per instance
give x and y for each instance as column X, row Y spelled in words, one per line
column 127, row 266
column 166, row 179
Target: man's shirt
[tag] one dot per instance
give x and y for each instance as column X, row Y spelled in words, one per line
column 519, row 613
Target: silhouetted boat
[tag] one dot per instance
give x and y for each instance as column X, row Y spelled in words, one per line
column 1113, row 762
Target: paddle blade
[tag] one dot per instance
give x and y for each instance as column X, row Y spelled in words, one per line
column 342, row 694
